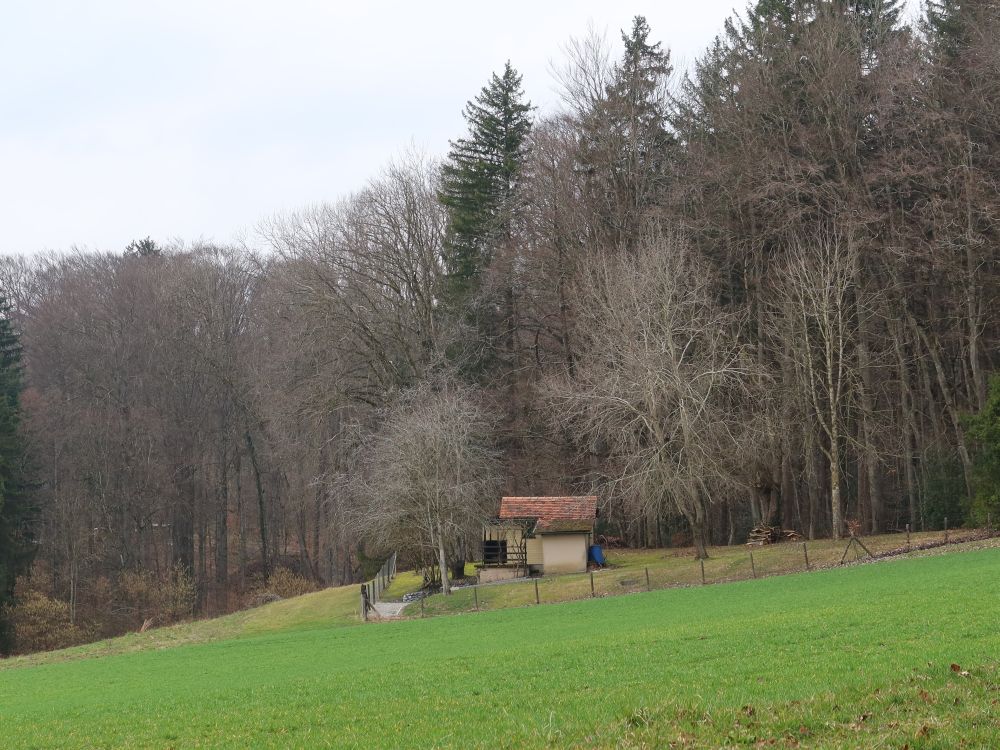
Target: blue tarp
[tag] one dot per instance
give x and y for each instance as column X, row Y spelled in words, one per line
column 596, row 555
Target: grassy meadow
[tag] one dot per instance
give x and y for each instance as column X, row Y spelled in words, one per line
column 853, row 657
column 628, row 568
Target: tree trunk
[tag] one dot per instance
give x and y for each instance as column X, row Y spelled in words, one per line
column 868, row 454
column 836, row 522
column 696, row 519
column 442, row 562
column 241, row 529
column 909, row 421
column 222, row 527
column 265, row 557
column 949, row 401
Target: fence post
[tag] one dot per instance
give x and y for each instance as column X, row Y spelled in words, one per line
column 475, row 595
column 648, row 587
column 537, row 600
column 805, row 552
column 989, row 525
column 753, row 568
column 907, row 537
column 946, row 529
column 421, row 606
column 702, row 561
column 591, row 583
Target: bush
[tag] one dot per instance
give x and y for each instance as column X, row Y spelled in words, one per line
column 281, row 584
column 141, row 596
column 41, row 623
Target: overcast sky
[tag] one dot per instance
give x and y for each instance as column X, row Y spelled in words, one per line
column 194, row 119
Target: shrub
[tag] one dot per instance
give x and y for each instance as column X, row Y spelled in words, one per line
column 281, row 584
column 41, row 623
column 141, row 596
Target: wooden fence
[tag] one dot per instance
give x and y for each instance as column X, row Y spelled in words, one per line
column 759, row 562
column 372, row 590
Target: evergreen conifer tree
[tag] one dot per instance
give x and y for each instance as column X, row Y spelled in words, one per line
column 16, row 548
column 479, row 181
column 983, row 435
column 626, row 140
column 952, row 25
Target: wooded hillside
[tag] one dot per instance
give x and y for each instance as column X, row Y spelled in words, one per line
column 764, row 291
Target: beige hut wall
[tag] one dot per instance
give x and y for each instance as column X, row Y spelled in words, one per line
column 564, row 553
column 534, row 550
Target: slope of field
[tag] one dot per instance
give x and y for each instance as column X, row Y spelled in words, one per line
column 327, row 608
column 857, row 657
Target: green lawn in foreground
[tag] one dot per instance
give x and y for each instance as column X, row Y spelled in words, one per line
column 855, row 657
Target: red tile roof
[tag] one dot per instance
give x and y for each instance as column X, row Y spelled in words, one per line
column 553, row 513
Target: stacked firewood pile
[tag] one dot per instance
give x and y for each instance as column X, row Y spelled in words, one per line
column 762, row 534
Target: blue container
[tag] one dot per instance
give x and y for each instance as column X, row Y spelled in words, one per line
column 596, row 555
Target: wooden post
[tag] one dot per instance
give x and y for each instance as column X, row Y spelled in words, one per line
column 753, row 568
column 537, row 600
column 946, row 529
column 475, row 595
column 591, row 583
column 989, row 525
column 805, row 552
column 702, row 561
column 907, row 537
column 648, row 587
column 422, row 606
column 364, row 602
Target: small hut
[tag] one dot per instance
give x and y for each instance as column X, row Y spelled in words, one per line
column 538, row 535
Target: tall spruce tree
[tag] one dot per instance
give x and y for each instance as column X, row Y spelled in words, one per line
column 479, row 189
column 625, row 146
column 946, row 25
column 16, row 548
column 479, row 180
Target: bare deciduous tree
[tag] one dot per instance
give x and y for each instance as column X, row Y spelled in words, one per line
column 663, row 383
column 822, row 326
column 430, row 474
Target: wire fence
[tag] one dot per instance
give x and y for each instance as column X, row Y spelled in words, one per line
column 676, row 568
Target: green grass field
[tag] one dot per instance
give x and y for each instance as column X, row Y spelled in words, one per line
column 666, row 568
column 854, row 657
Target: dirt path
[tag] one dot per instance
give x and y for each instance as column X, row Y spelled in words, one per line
column 387, row 610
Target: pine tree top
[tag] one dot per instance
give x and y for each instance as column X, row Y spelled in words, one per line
column 499, row 122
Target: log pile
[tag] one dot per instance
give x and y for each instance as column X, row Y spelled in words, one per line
column 762, row 534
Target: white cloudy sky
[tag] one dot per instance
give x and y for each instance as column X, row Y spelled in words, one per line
column 195, row 118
